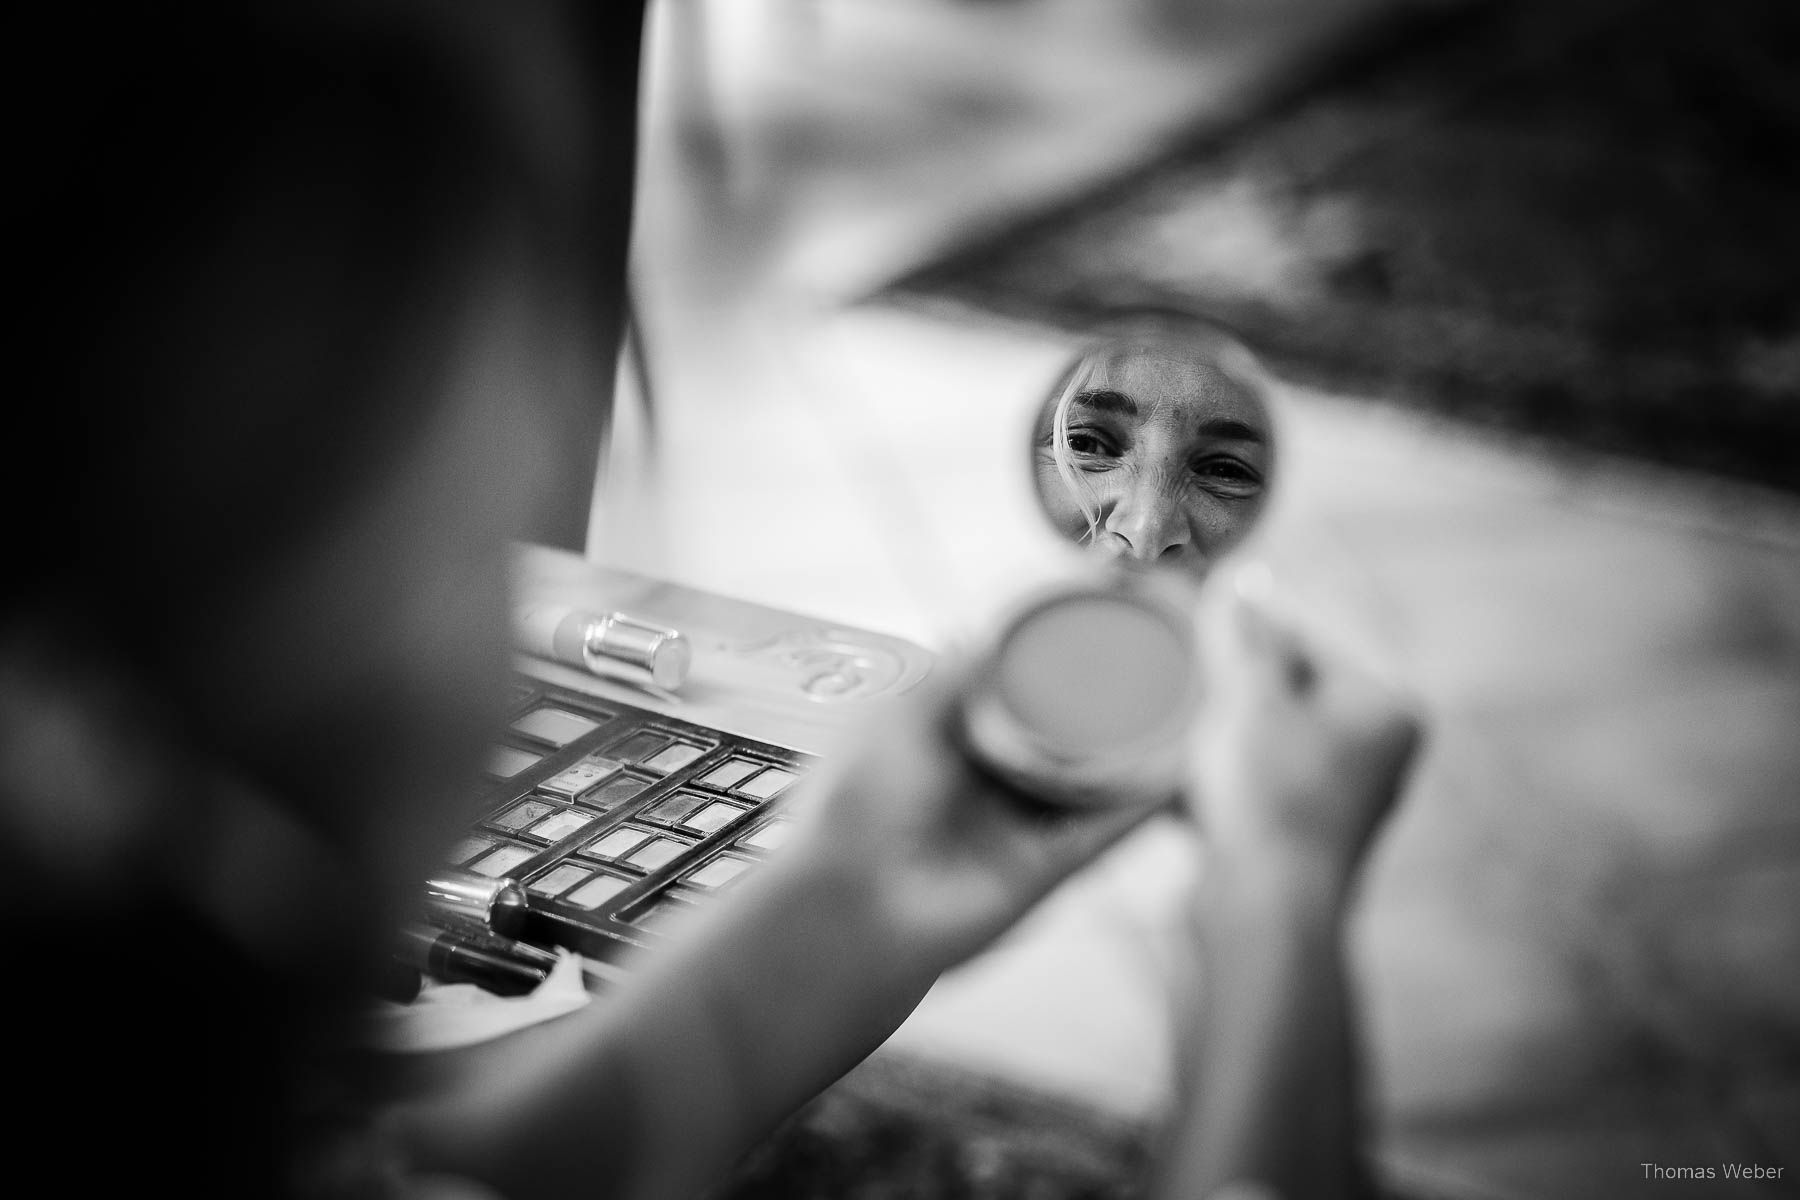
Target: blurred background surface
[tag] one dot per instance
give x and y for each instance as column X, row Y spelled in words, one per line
column 1526, row 269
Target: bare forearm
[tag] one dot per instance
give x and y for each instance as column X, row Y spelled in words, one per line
column 1269, row 1081
column 904, row 862
column 656, row 1091
column 797, row 992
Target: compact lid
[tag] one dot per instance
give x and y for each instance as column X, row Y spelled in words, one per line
column 1094, row 672
column 1088, row 697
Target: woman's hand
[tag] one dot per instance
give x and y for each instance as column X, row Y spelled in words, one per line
column 1303, row 748
column 1302, row 753
column 951, row 858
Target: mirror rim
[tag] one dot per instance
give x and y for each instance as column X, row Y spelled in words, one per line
column 1200, row 338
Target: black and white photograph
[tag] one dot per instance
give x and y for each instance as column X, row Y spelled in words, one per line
column 904, row 600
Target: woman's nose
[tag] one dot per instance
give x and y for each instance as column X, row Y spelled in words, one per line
column 1146, row 524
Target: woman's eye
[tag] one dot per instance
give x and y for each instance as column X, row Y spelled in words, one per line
column 1231, row 473
column 1082, row 441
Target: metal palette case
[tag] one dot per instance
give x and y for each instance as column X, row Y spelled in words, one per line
column 617, row 819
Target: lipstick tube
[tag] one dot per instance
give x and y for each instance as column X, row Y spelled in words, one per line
column 605, row 643
column 459, row 954
column 460, row 894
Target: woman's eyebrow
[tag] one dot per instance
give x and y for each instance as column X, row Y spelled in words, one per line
column 1107, row 400
column 1235, row 430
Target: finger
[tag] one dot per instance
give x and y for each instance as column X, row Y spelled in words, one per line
column 1308, row 654
column 1049, row 850
column 1254, row 639
column 1358, row 687
column 1274, row 637
column 916, row 726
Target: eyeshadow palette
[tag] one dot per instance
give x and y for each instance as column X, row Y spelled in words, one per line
column 617, row 820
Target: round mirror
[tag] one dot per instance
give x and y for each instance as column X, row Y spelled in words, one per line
column 1156, row 447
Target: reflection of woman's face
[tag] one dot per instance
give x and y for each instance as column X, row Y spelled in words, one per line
column 1172, row 453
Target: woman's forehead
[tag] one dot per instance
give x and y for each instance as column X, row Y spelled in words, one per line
column 1173, row 383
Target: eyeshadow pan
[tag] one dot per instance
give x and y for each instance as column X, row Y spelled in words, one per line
column 558, row 726
column 520, row 815
column 501, row 861
column 660, row 917
column 729, row 772
column 468, row 848
column 560, row 880
column 656, row 853
column 767, row 784
column 504, row 761
column 639, row 746
column 713, row 817
column 673, row 808
column 719, row 872
column 617, row 790
column 597, row 891
column 560, row 825
column 617, row 842
column 768, row 837
column 570, row 782
column 677, row 756
column 614, row 816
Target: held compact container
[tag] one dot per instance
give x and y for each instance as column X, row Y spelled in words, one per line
column 1088, row 696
